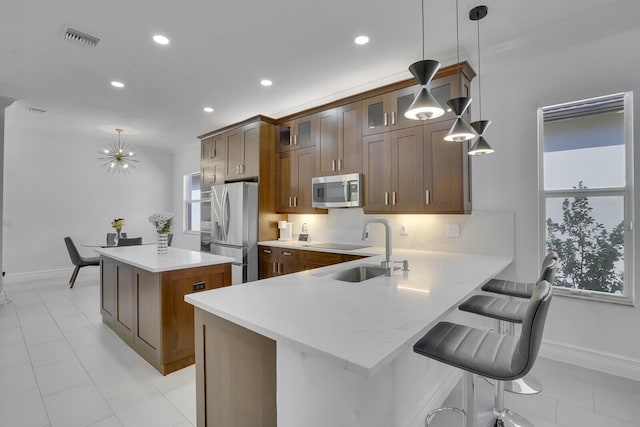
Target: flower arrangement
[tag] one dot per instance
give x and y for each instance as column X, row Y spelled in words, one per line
column 162, row 221
column 118, row 223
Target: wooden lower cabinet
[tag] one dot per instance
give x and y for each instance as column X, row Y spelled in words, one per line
column 235, row 375
column 147, row 310
column 276, row 261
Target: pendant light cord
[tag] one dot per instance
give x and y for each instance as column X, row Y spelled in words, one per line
column 423, row 30
column 479, row 76
column 458, row 52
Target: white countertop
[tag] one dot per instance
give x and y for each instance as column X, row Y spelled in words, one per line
column 147, row 257
column 357, row 326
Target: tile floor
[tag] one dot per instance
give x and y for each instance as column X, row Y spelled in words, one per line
column 60, row 366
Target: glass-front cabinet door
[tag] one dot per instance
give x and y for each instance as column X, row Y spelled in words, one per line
column 376, row 114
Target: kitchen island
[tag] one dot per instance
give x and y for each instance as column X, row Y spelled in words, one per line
column 308, row 350
column 142, row 299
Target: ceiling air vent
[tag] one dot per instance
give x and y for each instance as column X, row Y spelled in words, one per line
column 84, row 39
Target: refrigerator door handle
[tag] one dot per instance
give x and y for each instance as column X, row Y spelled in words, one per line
column 226, row 214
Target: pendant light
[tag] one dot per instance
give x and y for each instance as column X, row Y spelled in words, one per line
column 480, row 145
column 460, row 131
column 424, row 106
column 118, row 157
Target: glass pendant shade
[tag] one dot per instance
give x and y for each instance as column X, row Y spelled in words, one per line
column 424, row 106
column 480, row 147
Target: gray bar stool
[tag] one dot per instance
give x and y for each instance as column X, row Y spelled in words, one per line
column 512, row 312
column 490, row 354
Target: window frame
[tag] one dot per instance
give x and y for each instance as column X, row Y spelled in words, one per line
column 627, row 192
column 187, row 201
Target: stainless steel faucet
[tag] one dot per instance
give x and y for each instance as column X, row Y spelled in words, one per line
column 387, row 264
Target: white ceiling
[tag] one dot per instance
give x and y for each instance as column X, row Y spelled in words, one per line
column 221, row 49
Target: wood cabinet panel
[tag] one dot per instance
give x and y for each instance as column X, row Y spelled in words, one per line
column 305, row 168
column 108, row 278
column 276, row 261
column 377, row 169
column 327, row 154
column 285, row 182
column 233, row 364
column 350, row 138
column 406, row 169
column 124, row 299
column 148, row 336
column 295, row 170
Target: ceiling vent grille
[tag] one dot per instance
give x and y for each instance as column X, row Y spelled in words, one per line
column 84, row 39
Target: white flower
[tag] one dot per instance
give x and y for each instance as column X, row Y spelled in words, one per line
column 162, row 221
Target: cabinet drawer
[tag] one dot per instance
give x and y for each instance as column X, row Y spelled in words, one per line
column 267, row 252
column 346, row 258
column 287, row 255
column 321, row 258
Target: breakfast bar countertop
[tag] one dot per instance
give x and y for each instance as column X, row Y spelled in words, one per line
column 147, row 258
column 360, row 327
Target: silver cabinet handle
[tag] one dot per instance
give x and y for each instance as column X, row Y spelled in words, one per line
column 290, row 205
column 285, row 253
column 212, row 178
column 426, row 197
column 393, row 198
column 290, row 140
column 266, row 251
column 393, row 117
column 279, row 268
column 333, row 165
column 386, row 198
column 295, row 139
column 386, row 121
column 295, row 201
column 274, row 269
column 339, row 164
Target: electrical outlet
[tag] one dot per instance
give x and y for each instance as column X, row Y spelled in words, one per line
column 453, row 230
column 403, row 230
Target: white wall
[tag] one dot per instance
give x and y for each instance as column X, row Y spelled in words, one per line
column 185, row 161
column 515, row 84
column 55, row 186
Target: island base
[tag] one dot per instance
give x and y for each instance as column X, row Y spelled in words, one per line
column 147, row 310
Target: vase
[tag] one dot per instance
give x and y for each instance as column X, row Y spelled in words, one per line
column 163, row 243
column 117, row 237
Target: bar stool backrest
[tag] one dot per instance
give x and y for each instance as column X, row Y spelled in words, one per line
column 549, row 266
column 532, row 328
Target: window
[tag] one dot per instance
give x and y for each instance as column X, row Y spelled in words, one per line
column 586, row 195
column 192, row 202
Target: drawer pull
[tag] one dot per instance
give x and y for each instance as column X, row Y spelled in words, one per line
column 286, row 253
column 266, row 251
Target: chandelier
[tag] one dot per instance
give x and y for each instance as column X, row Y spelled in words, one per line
column 118, row 158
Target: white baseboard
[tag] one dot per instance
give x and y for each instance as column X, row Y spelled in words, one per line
column 587, row 358
column 50, row 274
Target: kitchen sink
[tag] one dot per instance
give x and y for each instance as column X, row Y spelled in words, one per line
column 339, row 246
column 357, row 274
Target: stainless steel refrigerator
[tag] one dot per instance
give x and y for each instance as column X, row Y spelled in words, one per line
column 234, row 227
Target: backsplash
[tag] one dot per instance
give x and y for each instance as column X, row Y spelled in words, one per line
column 482, row 232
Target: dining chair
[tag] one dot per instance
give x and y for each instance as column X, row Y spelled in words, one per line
column 133, row 241
column 111, row 238
column 77, row 260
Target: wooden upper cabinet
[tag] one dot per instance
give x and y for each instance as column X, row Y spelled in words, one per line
column 339, row 140
column 213, row 148
column 293, row 188
column 446, row 172
column 327, row 142
column 243, row 152
column 377, row 170
column 298, row 133
column 393, row 164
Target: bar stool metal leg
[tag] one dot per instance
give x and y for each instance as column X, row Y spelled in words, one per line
column 468, row 402
column 505, row 417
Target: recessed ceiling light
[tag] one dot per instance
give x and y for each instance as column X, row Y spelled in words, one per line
column 160, row 39
column 266, row 82
column 361, row 40
column 208, row 110
column 117, row 84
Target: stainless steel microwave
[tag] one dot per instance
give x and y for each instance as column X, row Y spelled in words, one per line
column 337, row 191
